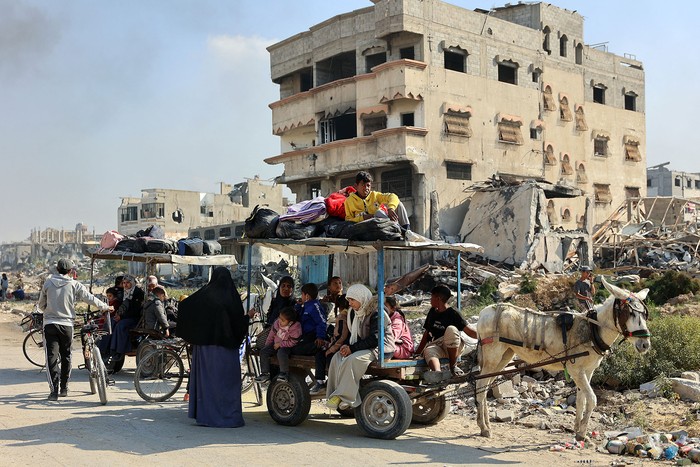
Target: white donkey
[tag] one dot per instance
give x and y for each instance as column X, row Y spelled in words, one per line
column 505, row 330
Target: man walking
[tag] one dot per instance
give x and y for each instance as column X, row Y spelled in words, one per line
column 57, row 300
column 585, row 289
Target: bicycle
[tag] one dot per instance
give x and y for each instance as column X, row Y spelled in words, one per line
column 33, row 344
column 90, row 333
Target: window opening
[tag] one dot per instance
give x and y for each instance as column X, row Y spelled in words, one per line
column 336, row 67
column 602, row 193
column 564, row 110
column 455, row 61
column 225, row 232
column 398, row 182
column 599, row 94
column 209, row 234
column 581, row 176
column 678, row 181
column 372, row 124
column 373, row 60
column 458, row 171
column 457, row 124
column 548, row 99
column 129, row 213
column 549, row 158
column 563, row 44
column 630, row 101
column 566, row 215
column 306, row 80
column 632, row 192
column 314, row 189
column 600, row 147
column 566, row 168
column 509, row 132
column 407, row 53
column 337, row 128
column 152, row 210
column 508, row 72
column 581, row 119
column 579, row 54
column 545, row 43
column 408, row 119
column 632, row 151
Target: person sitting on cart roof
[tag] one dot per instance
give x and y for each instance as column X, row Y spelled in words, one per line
column 154, row 316
column 350, row 363
column 313, row 318
column 365, row 204
column 441, row 337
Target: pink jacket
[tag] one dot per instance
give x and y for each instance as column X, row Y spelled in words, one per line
column 402, row 334
column 284, row 336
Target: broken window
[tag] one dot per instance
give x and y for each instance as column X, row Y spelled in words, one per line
column 209, row 234
column 206, row 211
column 566, row 168
column 630, row 101
column 545, row 42
column 314, row 189
column 579, row 54
column 337, row 128
column 632, row 150
column 632, row 192
column 509, row 132
column 129, row 214
column 548, row 98
column 225, row 232
column 549, row 158
column 581, row 176
column 457, row 124
column 398, row 182
column 408, row 119
column 599, row 94
column 372, row 124
column 407, row 53
column 580, row 119
column 508, row 72
column 373, row 60
column 564, row 110
column 336, row 67
column 458, row 171
column 306, row 79
column 152, row 210
column 600, row 146
column 602, row 193
column 563, row 44
column 455, row 60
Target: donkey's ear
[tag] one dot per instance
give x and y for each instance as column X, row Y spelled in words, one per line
column 615, row 290
column 642, row 294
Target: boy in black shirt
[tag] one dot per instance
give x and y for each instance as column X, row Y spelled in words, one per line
column 442, row 332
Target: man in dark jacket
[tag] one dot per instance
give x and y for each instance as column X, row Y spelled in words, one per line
column 57, row 300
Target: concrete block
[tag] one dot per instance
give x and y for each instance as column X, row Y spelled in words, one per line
column 649, row 389
column 505, row 415
column 686, row 389
column 504, row 390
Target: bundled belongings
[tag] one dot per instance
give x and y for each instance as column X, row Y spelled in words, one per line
column 373, row 229
column 335, row 202
column 212, row 247
column 155, row 245
column 261, row 223
column 306, row 212
column 296, row 231
column 126, row 244
column 110, row 239
column 190, row 247
column 153, row 231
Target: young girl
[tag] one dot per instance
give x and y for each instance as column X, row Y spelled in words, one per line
column 400, row 329
column 286, row 330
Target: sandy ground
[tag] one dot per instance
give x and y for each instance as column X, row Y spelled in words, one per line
column 77, row 430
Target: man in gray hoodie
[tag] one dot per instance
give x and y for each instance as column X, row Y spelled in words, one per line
column 57, row 300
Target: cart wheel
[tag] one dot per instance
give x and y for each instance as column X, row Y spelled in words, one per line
column 431, row 411
column 33, row 347
column 385, row 411
column 289, row 402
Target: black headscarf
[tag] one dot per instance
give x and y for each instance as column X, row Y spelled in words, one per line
column 214, row 314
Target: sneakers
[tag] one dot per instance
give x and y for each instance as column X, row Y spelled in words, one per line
column 317, row 389
column 53, row 396
column 457, row 371
column 282, row 377
column 64, row 391
column 186, row 398
column 344, row 406
column 263, row 378
column 333, row 402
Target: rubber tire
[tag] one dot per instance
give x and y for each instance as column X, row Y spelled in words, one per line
column 379, row 399
column 30, row 346
column 289, row 402
column 247, row 376
column 145, row 347
column 91, row 376
column 175, row 371
column 101, row 372
column 432, row 411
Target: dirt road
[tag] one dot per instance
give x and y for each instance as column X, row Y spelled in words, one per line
column 78, row 431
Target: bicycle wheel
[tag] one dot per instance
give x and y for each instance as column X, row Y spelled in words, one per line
column 247, row 370
column 92, row 375
column 159, row 375
column 33, row 347
column 100, row 375
column 145, row 347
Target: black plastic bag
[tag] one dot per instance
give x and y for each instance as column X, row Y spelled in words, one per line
column 261, row 223
column 373, row 229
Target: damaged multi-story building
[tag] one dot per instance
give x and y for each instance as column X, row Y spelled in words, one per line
column 430, row 98
column 178, row 211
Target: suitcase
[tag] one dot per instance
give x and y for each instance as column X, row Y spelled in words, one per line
column 190, row 247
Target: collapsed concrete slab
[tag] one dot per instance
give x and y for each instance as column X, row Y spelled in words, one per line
column 512, row 223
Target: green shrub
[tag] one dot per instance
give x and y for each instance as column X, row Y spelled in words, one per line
column 488, row 291
column 528, row 284
column 675, row 347
column 670, row 284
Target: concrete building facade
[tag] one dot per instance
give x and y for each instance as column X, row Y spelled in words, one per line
column 430, row 97
column 664, row 182
column 179, row 211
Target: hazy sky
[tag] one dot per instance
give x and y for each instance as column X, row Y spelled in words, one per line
column 100, row 99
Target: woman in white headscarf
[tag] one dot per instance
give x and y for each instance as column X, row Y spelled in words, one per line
column 350, row 363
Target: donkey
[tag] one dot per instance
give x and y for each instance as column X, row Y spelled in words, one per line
column 505, row 330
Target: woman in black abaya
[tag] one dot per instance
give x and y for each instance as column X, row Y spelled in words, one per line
column 214, row 322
